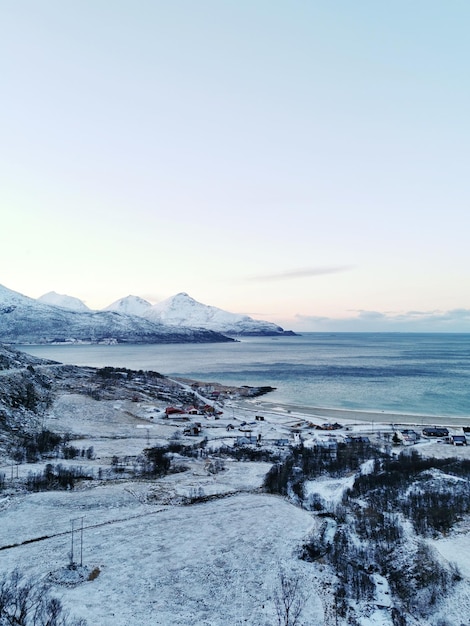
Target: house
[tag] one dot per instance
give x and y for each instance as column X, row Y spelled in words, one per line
column 458, row 440
column 408, row 436
column 210, row 410
column 246, row 441
column 193, row 430
column 360, row 439
column 282, row 442
column 435, row 431
column 171, row 410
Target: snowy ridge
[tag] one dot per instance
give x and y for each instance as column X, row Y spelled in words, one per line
column 25, row 320
column 179, row 311
column 10, row 298
column 130, row 305
column 61, row 318
column 182, row 310
column 65, row 302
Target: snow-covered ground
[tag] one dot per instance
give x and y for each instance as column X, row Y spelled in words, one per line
column 162, row 561
column 212, row 563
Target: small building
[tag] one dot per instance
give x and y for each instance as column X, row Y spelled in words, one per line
column 435, row 431
column 328, row 426
column 408, row 436
column 259, row 418
column 193, row 430
column 246, row 441
column 171, row 410
column 282, row 442
column 458, row 440
column 360, row 439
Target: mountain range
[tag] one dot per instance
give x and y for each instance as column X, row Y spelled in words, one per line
column 181, row 310
column 56, row 318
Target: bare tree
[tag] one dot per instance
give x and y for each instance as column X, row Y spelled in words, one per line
column 289, row 599
column 23, row 602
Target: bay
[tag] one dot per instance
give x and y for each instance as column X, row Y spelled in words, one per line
column 402, row 373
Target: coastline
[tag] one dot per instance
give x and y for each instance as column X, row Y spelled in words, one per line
column 352, row 416
column 204, row 366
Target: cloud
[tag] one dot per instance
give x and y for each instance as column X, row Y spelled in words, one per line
column 456, row 320
column 302, row 273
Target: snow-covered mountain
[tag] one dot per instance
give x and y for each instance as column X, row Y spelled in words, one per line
column 65, row 302
column 130, row 305
column 182, row 310
column 25, row 320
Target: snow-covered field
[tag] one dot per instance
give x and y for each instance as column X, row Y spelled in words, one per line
column 211, row 563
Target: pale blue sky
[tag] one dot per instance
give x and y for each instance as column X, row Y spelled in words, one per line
column 303, row 162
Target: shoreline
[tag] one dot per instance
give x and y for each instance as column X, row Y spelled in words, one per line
column 350, row 415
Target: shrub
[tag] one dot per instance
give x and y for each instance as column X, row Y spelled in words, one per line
column 58, row 477
column 94, row 573
column 24, row 602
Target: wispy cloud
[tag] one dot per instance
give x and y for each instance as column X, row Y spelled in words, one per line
column 305, row 272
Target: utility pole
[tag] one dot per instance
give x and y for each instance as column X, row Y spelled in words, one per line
column 13, row 465
column 71, row 548
column 81, row 543
column 72, row 521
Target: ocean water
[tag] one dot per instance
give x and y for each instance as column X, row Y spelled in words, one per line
column 405, row 373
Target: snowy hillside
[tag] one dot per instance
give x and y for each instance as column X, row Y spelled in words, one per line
column 182, row 310
column 65, row 302
column 25, row 320
column 130, row 305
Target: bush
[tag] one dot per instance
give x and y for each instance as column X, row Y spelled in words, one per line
column 58, row 477
column 94, row 573
column 157, row 462
column 32, row 446
column 23, row 602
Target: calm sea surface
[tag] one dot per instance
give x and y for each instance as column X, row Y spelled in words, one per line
column 404, row 373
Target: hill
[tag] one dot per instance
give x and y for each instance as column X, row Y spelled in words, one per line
column 63, row 301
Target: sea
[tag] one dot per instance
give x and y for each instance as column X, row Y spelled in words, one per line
column 407, row 373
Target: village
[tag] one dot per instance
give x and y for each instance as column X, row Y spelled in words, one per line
column 225, row 416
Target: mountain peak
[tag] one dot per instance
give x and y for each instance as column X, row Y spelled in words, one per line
column 63, row 301
column 183, row 310
column 130, row 305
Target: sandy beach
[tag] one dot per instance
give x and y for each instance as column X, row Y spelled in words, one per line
column 324, row 414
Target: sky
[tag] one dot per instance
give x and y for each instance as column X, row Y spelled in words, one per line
column 302, row 162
